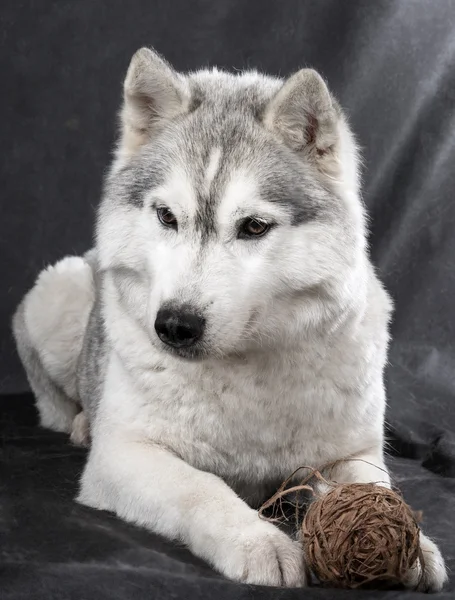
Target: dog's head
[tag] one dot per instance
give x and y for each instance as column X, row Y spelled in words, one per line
column 231, row 216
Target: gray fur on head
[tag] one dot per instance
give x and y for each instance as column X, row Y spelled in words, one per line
column 301, row 110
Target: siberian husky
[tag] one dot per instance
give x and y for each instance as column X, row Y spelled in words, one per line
column 228, row 326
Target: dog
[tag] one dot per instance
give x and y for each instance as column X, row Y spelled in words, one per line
column 228, row 326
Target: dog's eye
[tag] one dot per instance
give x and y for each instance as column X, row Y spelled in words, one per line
column 166, row 217
column 253, row 228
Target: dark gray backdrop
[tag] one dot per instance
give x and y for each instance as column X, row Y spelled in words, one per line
column 391, row 64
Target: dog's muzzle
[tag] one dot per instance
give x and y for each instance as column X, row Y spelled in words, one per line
column 179, row 327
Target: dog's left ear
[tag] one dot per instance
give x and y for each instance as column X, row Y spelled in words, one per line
column 305, row 116
column 154, row 94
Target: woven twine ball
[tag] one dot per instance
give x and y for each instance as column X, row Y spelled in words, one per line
column 360, row 535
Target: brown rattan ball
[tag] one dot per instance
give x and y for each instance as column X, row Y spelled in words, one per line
column 360, row 535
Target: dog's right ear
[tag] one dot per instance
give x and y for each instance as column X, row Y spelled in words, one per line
column 306, row 117
column 154, row 93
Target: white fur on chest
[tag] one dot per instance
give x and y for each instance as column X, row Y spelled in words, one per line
column 248, row 420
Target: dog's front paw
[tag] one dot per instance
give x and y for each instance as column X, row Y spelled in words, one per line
column 434, row 571
column 263, row 555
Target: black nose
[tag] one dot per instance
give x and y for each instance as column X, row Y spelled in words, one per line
column 179, row 327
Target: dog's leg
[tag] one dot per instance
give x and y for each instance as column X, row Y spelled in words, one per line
column 152, row 487
column 370, row 468
column 49, row 328
column 80, row 431
column 56, row 410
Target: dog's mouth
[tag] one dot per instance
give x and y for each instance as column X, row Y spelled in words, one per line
column 195, row 353
column 205, row 348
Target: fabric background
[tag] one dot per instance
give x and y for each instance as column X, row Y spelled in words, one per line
column 391, row 64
